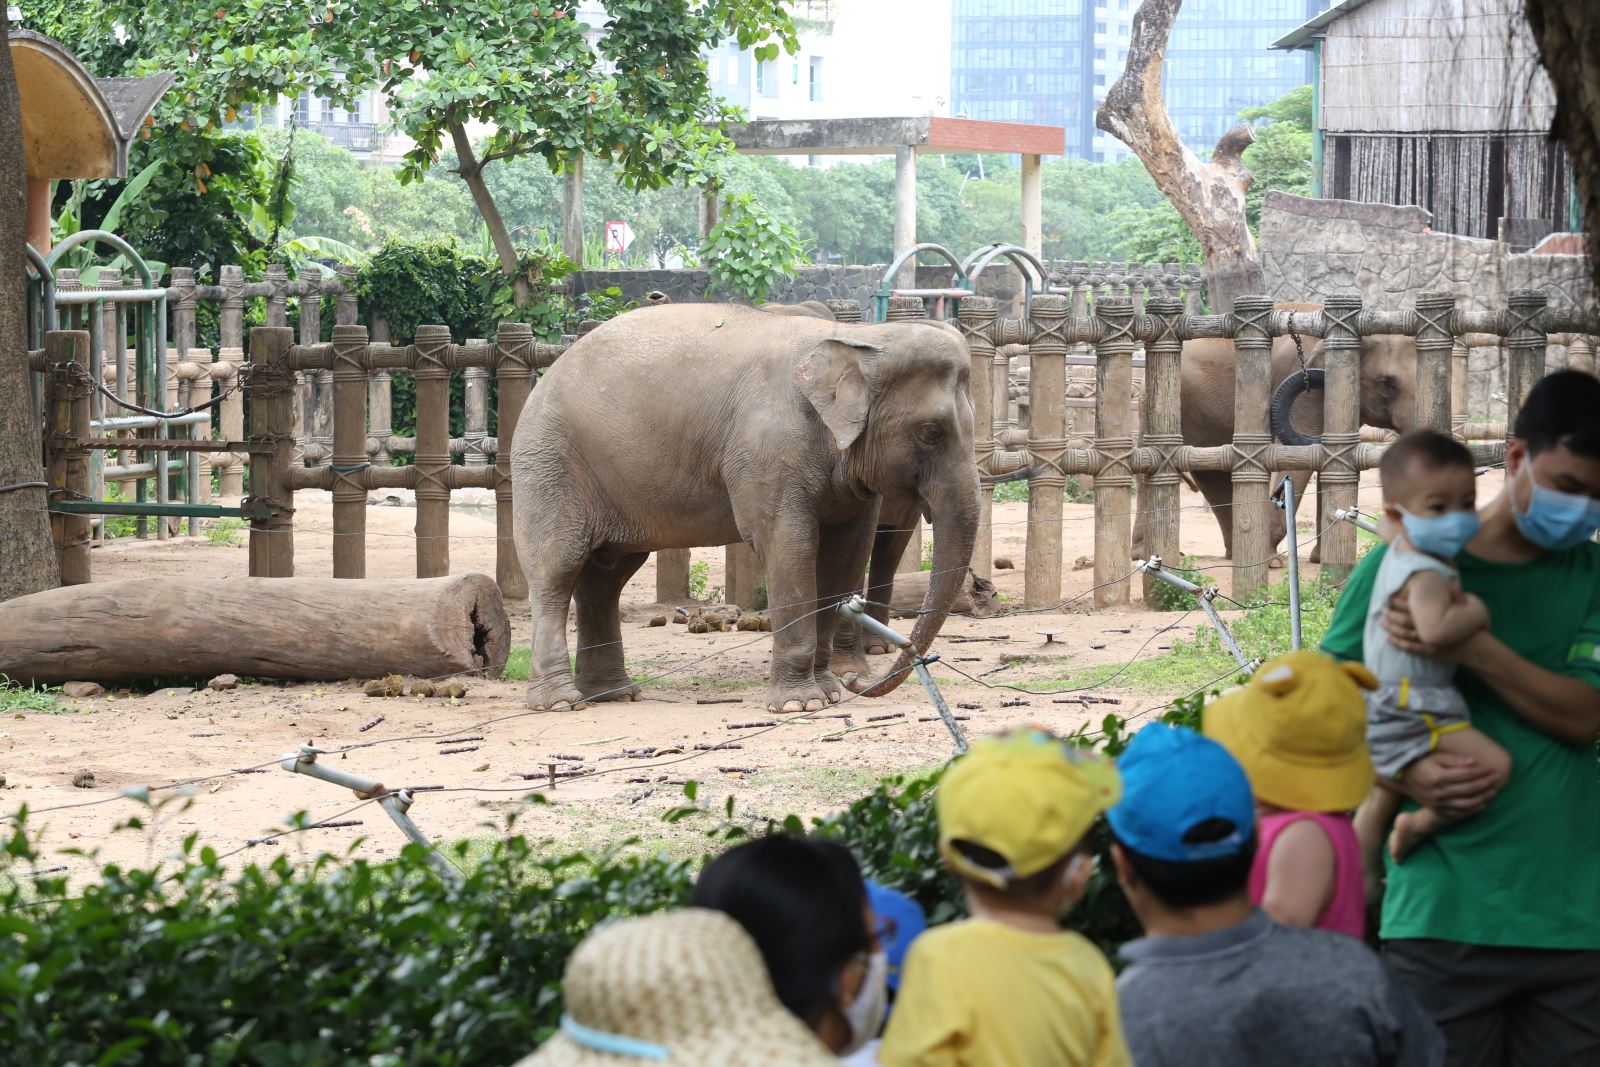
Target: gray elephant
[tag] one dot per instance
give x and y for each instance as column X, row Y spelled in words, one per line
column 701, row 424
column 1388, row 401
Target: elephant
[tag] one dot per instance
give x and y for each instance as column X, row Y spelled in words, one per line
column 1388, row 401
column 691, row 425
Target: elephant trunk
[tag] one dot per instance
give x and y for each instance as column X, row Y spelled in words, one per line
column 955, row 527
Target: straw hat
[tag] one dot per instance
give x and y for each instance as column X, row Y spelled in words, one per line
column 685, row 988
column 1298, row 727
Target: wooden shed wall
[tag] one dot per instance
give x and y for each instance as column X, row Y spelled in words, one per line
column 1406, row 66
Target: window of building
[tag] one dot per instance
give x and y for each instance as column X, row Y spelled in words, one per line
column 1099, row 27
column 358, row 111
column 330, row 111
column 767, row 78
column 794, row 73
column 302, row 109
column 733, row 70
column 1099, row 53
column 816, row 78
column 1099, row 79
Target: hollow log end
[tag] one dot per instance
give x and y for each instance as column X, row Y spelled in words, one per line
column 472, row 626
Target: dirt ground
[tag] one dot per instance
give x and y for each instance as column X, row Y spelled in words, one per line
column 809, row 766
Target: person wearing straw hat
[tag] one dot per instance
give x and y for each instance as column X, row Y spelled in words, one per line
column 1008, row 986
column 1215, row 982
column 683, row 988
column 1298, row 727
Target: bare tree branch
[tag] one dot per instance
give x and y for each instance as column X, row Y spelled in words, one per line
column 1209, row 196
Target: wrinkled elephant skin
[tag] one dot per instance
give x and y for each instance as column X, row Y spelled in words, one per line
column 701, row 424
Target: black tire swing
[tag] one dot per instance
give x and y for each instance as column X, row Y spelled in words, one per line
column 1288, row 391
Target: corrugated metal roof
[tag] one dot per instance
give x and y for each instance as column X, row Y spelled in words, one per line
column 1302, row 36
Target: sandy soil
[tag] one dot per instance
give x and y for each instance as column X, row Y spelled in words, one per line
column 804, row 765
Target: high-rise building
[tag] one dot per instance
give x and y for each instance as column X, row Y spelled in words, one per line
column 1052, row 61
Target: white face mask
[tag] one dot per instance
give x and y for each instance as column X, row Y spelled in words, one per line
column 865, row 1014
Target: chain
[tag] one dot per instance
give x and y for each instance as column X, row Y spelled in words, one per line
column 1299, row 351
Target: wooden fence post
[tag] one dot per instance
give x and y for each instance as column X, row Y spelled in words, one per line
column 1113, row 441
column 1525, row 347
column 432, row 462
column 1163, row 433
column 1047, row 428
column 1459, row 402
column 272, row 385
column 978, row 314
column 66, row 460
column 1434, row 341
column 1252, row 436
column 1338, row 477
column 349, row 451
column 513, row 367
column 1580, row 354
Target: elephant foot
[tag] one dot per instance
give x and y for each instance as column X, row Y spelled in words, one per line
column 555, row 696
column 794, row 700
column 1275, row 563
column 601, row 692
column 847, row 664
column 1316, row 553
column 879, row 648
column 830, row 685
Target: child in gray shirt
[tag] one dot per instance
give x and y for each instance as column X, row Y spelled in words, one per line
column 1215, row 982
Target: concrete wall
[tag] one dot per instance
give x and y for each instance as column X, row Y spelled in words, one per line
column 1311, row 248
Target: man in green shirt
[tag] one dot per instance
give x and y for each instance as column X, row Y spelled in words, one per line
column 1494, row 924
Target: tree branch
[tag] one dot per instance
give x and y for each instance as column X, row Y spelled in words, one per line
column 471, row 171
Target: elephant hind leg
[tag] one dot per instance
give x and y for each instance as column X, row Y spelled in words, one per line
column 553, row 556
column 1217, row 488
column 601, row 673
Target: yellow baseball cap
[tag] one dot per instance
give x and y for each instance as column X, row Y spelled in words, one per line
column 1027, row 796
column 1298, row 727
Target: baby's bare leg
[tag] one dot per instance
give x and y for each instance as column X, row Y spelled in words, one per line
column 1372, row 827
column 1414, row 827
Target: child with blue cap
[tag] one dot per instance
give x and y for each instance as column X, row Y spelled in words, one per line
column 1214, row 980
column 897, row 920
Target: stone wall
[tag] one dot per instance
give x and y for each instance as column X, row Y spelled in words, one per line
column 1311, row 248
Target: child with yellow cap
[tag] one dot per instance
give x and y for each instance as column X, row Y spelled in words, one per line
column 1009, row 986
column 1298, row 727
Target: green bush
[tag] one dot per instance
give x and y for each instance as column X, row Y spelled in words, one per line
column 699, row 579
column 1167, row 597
column 351, row 962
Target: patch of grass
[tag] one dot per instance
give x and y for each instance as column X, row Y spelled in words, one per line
column 224, row 532
column 927, row 556
column 15, row 697
column 113, row 527
column 517, row 664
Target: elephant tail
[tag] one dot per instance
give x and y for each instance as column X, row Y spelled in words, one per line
column 1015, row 476
column 1289, row 390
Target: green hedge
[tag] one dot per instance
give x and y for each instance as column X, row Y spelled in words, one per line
column 353, row 962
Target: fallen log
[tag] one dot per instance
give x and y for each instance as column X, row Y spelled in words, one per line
column 313, row 629
column 977, row 598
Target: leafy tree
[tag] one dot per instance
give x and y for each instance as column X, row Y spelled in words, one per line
column 330, row 187
column 1280, row 158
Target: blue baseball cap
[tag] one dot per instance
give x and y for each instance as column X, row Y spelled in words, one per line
column 1173, row 779
column 899, row 922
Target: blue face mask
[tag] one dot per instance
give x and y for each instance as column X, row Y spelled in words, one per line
column 1556, row 521
column 1440, row 535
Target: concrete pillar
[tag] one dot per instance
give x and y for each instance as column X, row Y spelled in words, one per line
column 1032, row 206
column 39, row 215
column 905, row 212
column 572, row 210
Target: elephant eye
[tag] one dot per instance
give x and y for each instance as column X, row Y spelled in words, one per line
column 930, row 432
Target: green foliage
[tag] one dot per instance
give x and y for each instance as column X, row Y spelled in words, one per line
column 1169, row 597
column 1016, row 492
column 699, row 579
column 1281, row 156
column 16, row 697
column 224, row 532
column 748, row 249
column 115, row 526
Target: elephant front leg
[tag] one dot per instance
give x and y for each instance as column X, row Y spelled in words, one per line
column 841, row 557
column 889, row 546
column 788, row 550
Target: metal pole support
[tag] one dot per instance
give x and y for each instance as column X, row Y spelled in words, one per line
column 1205, row 597
column 1354, row 518
column 855, row 609
column 1284, row 500
column 396, row 802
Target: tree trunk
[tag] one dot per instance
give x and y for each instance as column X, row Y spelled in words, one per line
column 27, row 556
column 471, row 172
column 302, row 628
column 1209, row 196
column 1568, row 36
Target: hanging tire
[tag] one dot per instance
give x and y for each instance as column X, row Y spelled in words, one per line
column 1283, row 399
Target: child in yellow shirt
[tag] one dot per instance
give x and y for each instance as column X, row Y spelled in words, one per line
column 1008, row 987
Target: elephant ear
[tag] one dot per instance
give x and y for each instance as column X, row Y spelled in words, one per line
column 836, row 378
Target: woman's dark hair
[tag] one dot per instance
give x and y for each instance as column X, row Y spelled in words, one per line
column 1560, row 410
column 804, row 904
column 1194, row 884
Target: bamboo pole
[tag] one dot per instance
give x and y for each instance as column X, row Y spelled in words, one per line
column 1047, row 441
column 977, row 318
column 1339, row 478
column 67, row 462
column 1113, row 439
column 1252, row 434
column 432, row 462
column 272, row 385
column 1163, row 431
column 349, row 450
column 1434, row 341
column 513, row 367
column 1525, row 347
